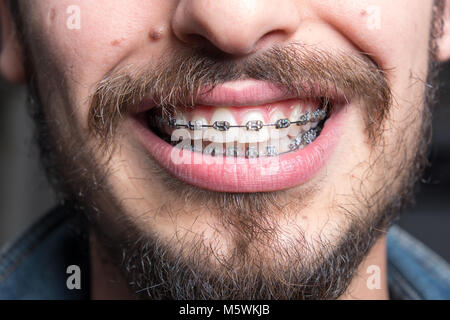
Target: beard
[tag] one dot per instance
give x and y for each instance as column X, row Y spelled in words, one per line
column 257, row 266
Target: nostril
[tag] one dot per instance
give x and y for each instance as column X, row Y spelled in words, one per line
column 204, row 44
column 271, row 38
column 196, row 39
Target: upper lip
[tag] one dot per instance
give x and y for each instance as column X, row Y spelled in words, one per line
column 233, row 93
column 242, row 93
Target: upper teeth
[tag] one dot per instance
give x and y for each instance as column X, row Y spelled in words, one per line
column 250, row 125
column 223, row 128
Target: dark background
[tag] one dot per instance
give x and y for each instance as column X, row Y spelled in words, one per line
column 25, row 195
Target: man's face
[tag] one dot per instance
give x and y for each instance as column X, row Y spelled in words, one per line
column 270, row 207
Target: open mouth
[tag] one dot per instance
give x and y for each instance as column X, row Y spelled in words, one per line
column 251, row 132
column 244, row 147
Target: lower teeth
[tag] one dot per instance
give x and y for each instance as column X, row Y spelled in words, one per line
column 254, row 150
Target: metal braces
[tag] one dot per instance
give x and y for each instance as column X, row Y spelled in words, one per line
column 252, row 125
column 270, row 150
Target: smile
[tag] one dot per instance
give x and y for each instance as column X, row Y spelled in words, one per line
column 251, row 145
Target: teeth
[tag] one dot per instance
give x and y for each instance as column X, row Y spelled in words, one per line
column 283, row 144
column 235, row 151
column 198, row 134
column 221, row 118
column 282, row 123
column 180, row 135
column 271, row 150
column 266, row 148
column 254, row 125
column 296, row 143
column 276, row 133
column 197, row 147
column 276, row 146
column 306, row 126
column 176, row 122
column 252, row 151
column 252, row 136
column 295, row 130
column 316, row 117
column 195, row 125
column 309, row 136
column 215, row 149
column 255, row 137
column 304, row 119
column 180, row 119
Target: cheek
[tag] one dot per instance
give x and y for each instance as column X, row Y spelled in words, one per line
column 394, row 33
column 78, row 44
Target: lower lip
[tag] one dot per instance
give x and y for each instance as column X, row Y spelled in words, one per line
column 233, row 174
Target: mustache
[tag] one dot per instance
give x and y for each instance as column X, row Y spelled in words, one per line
column 175, row 81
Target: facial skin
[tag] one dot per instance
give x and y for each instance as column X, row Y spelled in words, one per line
column 277, row 239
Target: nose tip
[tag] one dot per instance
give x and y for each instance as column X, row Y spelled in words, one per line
column 236, row 27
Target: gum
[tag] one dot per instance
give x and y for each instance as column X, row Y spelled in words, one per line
column 266, row 110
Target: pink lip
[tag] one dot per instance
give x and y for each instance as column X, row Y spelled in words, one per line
column 247, row 175
column 242, row 93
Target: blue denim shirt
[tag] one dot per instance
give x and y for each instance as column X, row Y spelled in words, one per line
column 35, row 265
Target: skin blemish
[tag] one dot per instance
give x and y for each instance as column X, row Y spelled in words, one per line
column 117, row 42
column 156, row 33
column 51, row 16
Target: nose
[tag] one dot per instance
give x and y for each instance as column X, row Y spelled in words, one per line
column 236, row 27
